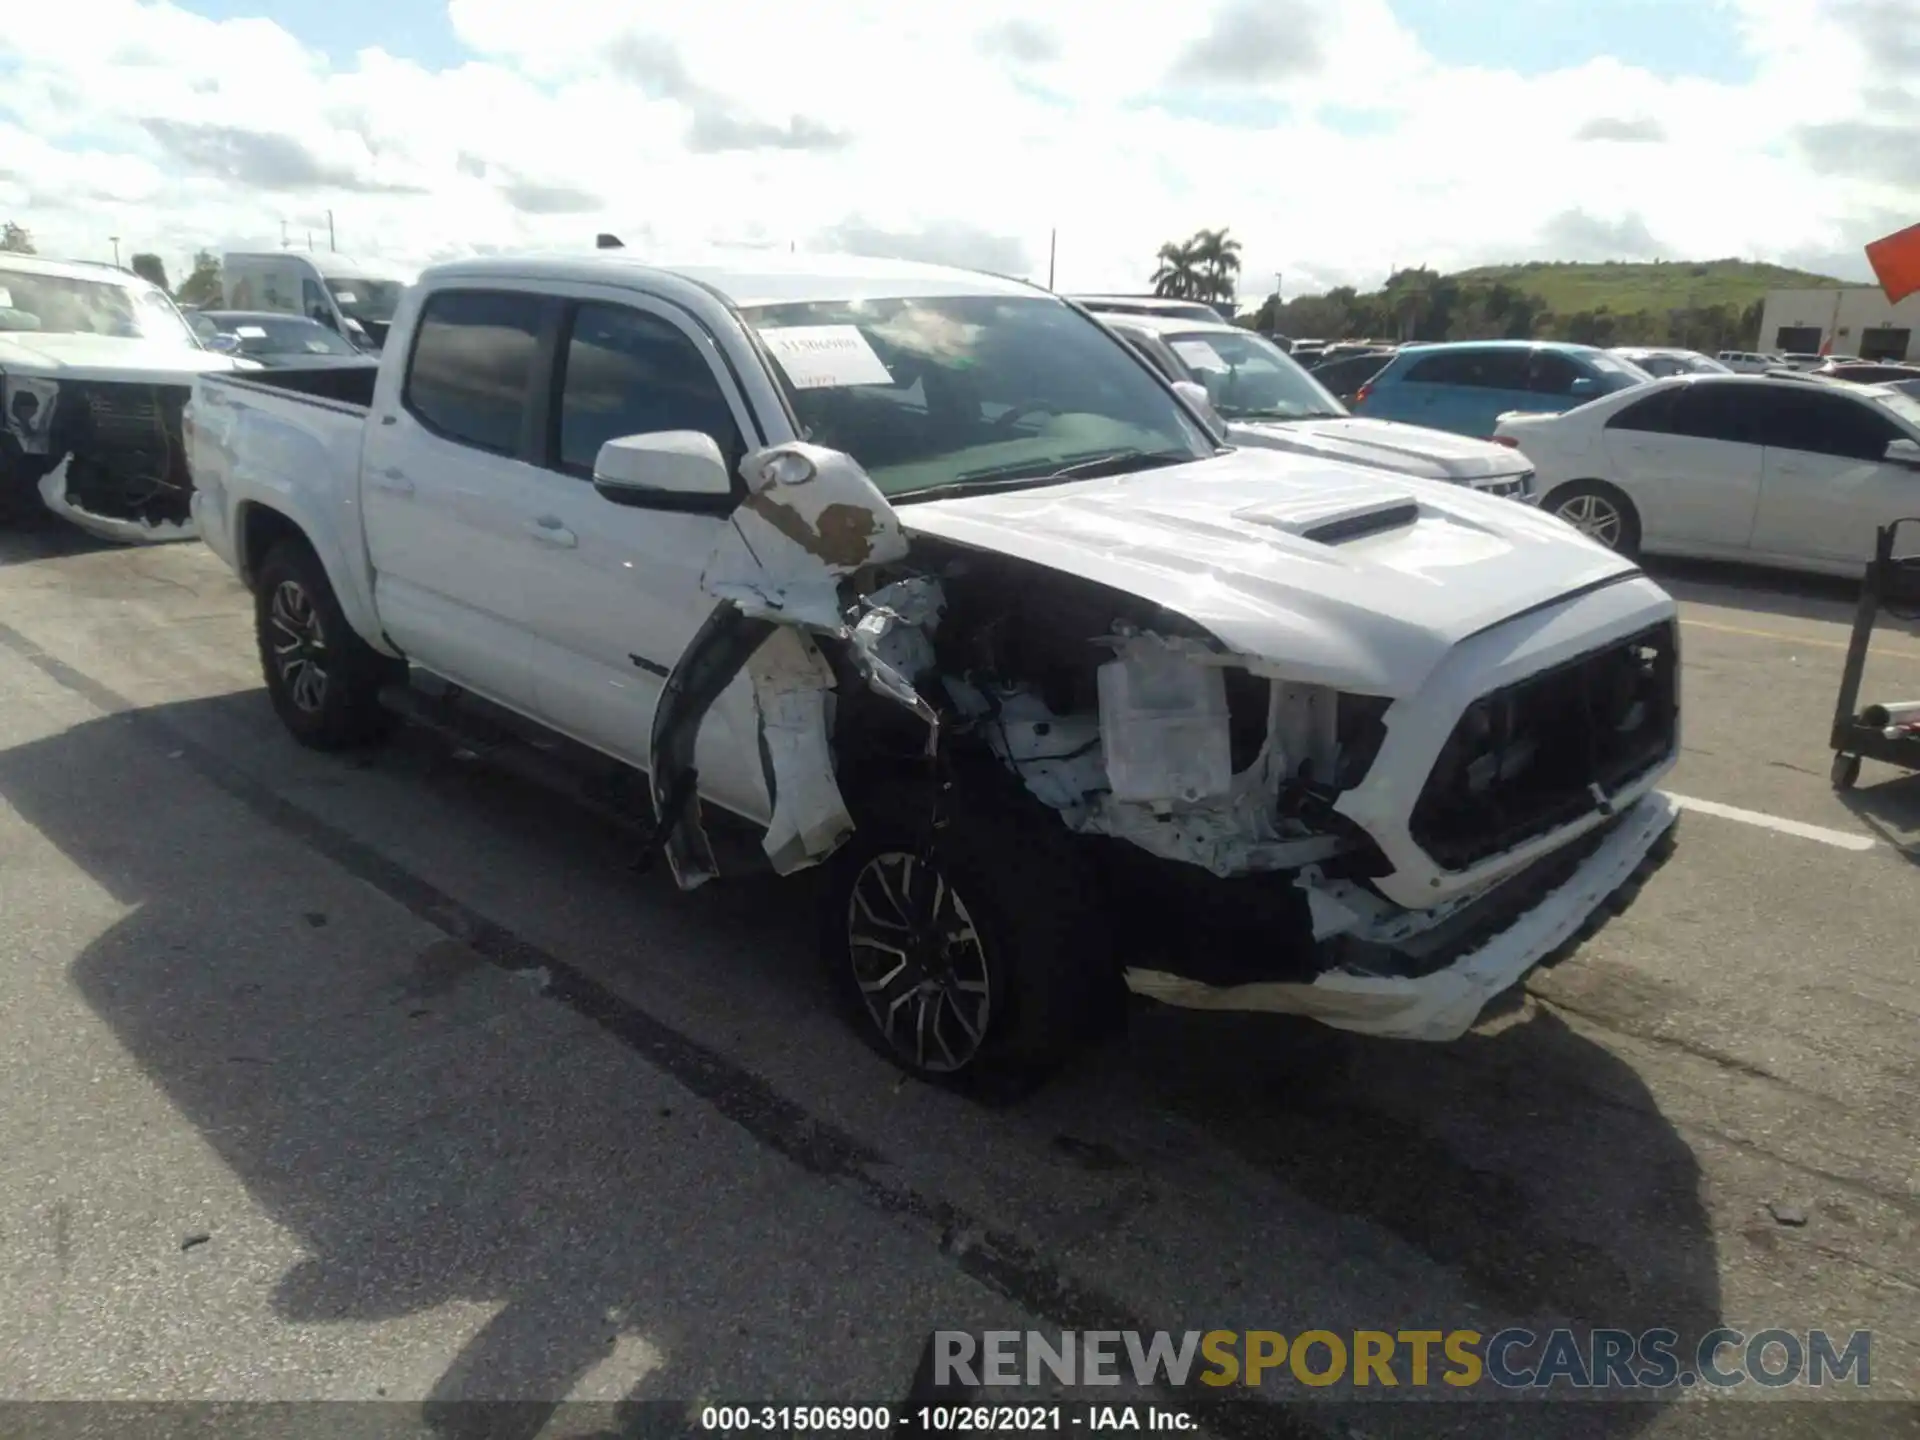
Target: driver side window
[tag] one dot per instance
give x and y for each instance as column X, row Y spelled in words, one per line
column 625, row 372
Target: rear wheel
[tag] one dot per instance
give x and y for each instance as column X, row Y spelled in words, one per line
column 1600, row 512
column 981, row 960
column 323, row 679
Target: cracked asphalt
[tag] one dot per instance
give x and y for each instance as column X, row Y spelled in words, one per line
column 384, row 1078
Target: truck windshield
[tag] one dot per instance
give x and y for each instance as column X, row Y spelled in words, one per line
column 1250, row 378
column 64, row 305
column 941, row 392
column 371, row 302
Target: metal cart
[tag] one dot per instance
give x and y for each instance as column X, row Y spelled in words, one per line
column 1872, row 732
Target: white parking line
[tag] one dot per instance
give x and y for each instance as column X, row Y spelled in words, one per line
column 1839, row 839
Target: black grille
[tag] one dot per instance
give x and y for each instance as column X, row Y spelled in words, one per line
column 1529, row 758
column 128, row 456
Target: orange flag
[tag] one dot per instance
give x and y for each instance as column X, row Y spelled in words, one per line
column 1896, row 263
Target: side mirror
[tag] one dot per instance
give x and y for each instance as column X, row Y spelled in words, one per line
column 1904, row 453
column 665, row 470
column 1195, row 394
column 223, row 344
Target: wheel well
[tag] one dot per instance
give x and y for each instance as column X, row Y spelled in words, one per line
column 1607, row 487
column 262, row 528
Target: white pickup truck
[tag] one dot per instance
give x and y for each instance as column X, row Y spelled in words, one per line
column 927, row 575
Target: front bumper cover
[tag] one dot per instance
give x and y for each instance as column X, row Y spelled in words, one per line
column 1444, row 1003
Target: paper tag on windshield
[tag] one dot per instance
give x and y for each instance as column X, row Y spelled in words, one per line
column 250, row 332
column 820, row 357
column 345, row 297
column 1199, row 355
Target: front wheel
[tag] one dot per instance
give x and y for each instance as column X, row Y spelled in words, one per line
column 978, row 958
column 323, row 679
column 1599, row 512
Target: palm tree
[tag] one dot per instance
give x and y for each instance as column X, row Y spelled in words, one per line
column 1179, row 274
column 1219, row 257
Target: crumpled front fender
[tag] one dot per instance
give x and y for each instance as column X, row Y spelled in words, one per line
column 812, row 519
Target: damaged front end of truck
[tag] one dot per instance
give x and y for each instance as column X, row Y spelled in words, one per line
column 108, row 456
column 1383, row 861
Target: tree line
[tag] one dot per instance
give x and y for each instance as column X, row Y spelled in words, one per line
column 201, row 287
column 1421, row 304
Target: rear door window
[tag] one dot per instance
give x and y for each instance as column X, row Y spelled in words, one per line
column 1651, row 416
column 1732, row 413
column 470, row 378
column 1480, row 369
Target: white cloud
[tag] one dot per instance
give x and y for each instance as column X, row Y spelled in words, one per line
column 960, row 131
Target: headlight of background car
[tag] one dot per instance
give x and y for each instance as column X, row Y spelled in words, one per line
column 29, row 403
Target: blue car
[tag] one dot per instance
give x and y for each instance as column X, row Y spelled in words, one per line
column 1466, row 387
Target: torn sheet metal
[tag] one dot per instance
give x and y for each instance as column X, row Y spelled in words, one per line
column 811, row 518
column 1445, row 1004
column 716, row 654
column 897, row 627
column 53, row 493
column 791, row 687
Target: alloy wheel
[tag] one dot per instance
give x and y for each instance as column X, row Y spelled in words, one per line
column 919, row 962
column 1594, row 516
column 299, row 646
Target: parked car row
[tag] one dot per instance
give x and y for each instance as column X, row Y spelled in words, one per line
column 1772, row 470
column 1266, row 400
column 940, row 583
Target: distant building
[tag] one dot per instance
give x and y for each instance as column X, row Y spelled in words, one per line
column 1854, row 319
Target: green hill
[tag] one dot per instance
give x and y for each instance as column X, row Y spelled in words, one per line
column 1624, row 287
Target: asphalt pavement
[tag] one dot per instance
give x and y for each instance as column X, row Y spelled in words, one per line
column 385, row 1077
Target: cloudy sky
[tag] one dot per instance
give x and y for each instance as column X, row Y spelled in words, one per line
column 1335, row 139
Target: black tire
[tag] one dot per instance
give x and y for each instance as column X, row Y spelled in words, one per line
column 333, row 703
column 1597, row 503
column 1011, row 877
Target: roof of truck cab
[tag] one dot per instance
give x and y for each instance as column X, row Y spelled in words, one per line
column 755, row 278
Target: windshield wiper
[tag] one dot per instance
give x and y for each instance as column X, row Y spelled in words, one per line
column 1022, row 477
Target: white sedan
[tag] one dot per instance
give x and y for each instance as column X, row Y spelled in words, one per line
column 1791, row 473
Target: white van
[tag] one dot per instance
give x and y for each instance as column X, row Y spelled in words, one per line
column 354, row 297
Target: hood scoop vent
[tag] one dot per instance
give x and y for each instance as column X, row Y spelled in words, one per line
column 1336, row 519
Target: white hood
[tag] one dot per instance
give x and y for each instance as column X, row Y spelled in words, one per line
column 103, row 357
column 1223, row 542
column 1384, row 445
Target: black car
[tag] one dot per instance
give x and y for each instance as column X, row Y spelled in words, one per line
column 275, row 340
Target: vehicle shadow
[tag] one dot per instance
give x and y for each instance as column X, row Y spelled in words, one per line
column 1784, row 593
column 427, row 1141
column 36, row 533
column 1891, row 809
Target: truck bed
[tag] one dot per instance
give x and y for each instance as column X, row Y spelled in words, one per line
column 350, row 384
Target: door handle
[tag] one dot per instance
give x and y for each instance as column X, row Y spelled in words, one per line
column 394, row 481
column 549, row 531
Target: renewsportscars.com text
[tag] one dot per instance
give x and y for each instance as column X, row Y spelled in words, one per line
column 1512, row 1359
